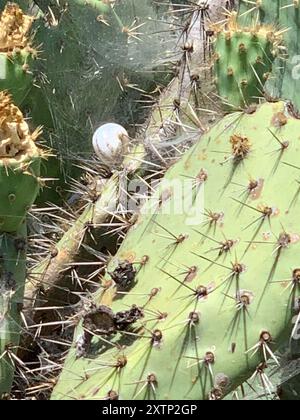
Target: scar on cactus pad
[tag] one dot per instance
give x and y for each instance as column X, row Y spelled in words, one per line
column 16, row 52
column 206, row 278
column 243, row 60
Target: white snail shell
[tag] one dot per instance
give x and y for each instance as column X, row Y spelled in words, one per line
column 110, row 143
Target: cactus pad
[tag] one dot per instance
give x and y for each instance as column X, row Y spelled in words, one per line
column 212, row 287
column 243, row 61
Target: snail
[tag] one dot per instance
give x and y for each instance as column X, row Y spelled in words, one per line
column 110, row 143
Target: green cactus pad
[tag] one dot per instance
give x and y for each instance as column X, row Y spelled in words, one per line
column 243, row 61
column 196, row 301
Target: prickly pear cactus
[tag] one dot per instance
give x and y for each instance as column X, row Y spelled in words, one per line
column 243, row 61
column 186, row 309
column 19, row 184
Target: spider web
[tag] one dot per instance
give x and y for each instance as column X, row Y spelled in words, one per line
column 95, row 69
